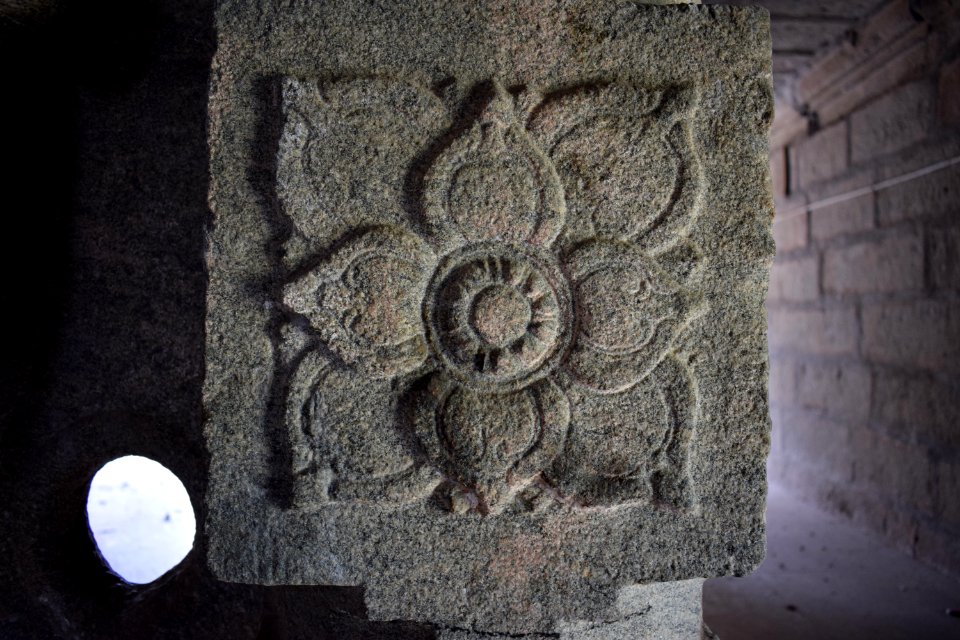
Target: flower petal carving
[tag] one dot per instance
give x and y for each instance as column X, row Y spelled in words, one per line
column 492, row 181
column 379, row 123
column 364, row 297
column 491, row 445
column 631, row 446
column 538, row 313
column 344, row 448
column 626, row 159
column 629, row 312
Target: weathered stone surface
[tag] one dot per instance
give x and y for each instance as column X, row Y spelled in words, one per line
column 665, row 611
column 485, row 316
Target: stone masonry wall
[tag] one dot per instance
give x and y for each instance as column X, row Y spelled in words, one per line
column 863, row 306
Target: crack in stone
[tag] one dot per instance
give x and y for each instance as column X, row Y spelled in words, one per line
column 603, row 623
column 496, row 634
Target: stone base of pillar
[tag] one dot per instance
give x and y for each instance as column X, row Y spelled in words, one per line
column 661, row 611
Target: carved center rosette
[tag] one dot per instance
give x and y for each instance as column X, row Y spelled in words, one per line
column 526, row 326
column 498, row 316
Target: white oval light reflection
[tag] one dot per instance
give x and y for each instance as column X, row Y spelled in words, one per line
column 141, row 518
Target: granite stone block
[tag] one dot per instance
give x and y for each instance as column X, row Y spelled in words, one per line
column 485, row 327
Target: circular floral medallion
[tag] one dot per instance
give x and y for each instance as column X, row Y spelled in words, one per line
column 498, row 315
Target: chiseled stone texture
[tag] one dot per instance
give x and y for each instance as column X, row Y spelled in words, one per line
column 664, row 610
column 661, row 611
column 485, row 316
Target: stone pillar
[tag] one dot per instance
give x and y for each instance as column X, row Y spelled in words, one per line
column 485, row 322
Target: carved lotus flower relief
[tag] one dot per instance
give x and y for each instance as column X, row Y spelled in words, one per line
column 524, row 318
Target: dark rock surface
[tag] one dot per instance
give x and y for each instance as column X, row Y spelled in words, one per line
column 106, row 185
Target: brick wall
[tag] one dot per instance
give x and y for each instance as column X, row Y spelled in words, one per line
column 863, row 306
